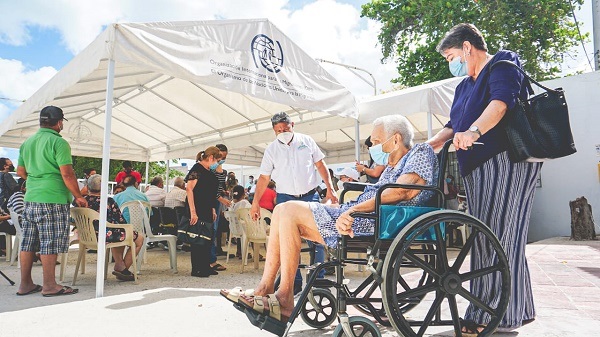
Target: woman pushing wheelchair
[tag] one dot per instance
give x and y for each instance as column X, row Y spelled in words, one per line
column 406, row 163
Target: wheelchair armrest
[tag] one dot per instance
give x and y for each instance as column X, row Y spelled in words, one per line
column 355, row 186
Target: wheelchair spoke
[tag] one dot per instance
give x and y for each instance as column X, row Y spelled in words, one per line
column 403, row 283
column 455, row 315
column 422, row 264
column 441, row 248
column 416, row 292
column 476, row 301
column 429, row 317
column 465, row 250
column 479, row 273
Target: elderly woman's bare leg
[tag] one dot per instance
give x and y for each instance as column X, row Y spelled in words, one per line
column 291, row 221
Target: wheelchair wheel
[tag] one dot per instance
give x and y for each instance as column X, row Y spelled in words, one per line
column 361, row 327
column 420, row 249
column 320, row 310
column 372, row 294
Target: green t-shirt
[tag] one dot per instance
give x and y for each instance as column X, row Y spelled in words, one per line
column 42, row 155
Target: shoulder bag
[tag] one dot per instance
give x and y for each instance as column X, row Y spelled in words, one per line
column 538, row 127
column 200, row 233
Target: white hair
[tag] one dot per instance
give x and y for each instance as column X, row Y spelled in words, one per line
column 94, row 183
column 394, row 124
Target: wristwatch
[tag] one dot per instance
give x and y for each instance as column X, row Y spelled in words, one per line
column 475, row 129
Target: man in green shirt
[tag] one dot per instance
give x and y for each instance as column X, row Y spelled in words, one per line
column 45, row 162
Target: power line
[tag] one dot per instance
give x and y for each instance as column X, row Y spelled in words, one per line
column 580, row 37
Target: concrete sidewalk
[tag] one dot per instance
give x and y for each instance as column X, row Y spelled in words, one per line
column 565, row 276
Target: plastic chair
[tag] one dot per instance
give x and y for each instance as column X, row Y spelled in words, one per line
column 139, row 212
column 254, row 232
column 73, row 239
column 16, row 246
column 235, row 230
column 84, row 221
column 8, row 239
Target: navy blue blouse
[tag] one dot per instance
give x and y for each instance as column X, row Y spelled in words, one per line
column 472, row 97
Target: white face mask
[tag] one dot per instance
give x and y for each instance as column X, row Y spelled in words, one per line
column 340, row 185
column 285, row 137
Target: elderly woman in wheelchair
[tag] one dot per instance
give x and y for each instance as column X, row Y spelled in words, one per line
column 406, row 162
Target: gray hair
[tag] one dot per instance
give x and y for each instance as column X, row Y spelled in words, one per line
column 394, row 124
column 179, row 182
column 460, row 33
column 94, row 183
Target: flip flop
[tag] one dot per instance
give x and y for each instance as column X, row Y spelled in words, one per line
column 65, row 290
column 472, row 328
column 218, row 267
column 36, row 289
column 124, row 275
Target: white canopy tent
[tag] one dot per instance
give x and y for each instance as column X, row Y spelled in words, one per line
column 157, row 91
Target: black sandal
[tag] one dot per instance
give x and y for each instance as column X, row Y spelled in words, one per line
column 471, row 327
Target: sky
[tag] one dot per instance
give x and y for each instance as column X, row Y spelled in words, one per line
column 38, row 37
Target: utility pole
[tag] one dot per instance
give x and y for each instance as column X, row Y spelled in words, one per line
column 596, row 32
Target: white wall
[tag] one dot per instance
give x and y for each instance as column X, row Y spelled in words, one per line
column 568, row 178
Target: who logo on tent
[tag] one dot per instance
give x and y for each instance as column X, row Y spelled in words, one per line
column 263, row 48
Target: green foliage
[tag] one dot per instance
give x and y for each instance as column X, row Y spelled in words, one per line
column 540, row 31
column 156, row 168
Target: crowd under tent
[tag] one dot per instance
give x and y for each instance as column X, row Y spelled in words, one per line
column 156, row 91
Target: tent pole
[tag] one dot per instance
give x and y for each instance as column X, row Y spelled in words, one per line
column 357, row 140
column 167, row 180
column 105, row 178
column 429, row 125
column 147, row 173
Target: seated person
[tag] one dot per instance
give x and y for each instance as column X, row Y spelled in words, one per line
column 269, row 197
column 16, row 202
column 113, row 215
column 156, row 193
column 131, row 193
column 406, row 163
column 176, row 197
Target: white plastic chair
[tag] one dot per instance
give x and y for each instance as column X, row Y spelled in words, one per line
column 73, row 239
column 8, row 239
column 139, row 217
column 84, row 221
column 254, row 232
column 235, row 230
column 16, row 246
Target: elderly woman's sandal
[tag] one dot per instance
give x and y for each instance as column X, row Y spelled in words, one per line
column 272, row 320
column 233, row 295
column 471, row 328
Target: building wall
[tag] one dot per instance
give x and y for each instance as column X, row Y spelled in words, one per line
column 565, row 179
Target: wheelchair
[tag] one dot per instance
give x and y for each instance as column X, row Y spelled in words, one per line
column 414, row 283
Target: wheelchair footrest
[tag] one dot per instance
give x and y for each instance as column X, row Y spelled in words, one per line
column 324, row 283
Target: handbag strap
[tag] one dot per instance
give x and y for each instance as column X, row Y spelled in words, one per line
column 529, row 78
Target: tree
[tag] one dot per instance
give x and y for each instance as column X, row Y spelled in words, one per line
column 540, row 31
column 156, row 168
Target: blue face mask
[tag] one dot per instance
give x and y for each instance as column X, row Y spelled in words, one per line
column 379, row 157
column 221, row 162
column 457, row 68
column 448, row 180
column 214, row 166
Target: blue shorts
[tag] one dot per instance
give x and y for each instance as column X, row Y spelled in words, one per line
column 45, row 228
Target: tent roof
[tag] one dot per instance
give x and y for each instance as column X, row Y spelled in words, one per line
column 182, row 86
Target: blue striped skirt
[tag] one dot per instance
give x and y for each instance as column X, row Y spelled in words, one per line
column 500, row 193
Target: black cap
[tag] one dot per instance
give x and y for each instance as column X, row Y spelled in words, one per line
column 280, row 117
column 52, row 113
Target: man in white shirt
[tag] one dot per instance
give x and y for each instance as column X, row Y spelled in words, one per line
column 293, row 161
column 156, row 193
column 176, row 196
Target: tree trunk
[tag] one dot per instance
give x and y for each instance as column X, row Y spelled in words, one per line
column 582, row 221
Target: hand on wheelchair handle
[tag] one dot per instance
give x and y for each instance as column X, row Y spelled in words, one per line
column 344, row 224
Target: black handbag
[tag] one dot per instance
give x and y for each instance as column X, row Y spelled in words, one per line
column 200, row 233
column 538, row 127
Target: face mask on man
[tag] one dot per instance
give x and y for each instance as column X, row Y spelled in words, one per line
column 221, row 162
column 457, row 68
column 340, row 185
column 380, row 157
column 285, row 137
column 11, row 168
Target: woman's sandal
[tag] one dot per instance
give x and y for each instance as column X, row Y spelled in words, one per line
column 270, row 320
column 233, row 296
column 470, row 328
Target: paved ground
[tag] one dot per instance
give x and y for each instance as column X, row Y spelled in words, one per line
column 565, row 275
